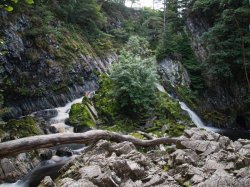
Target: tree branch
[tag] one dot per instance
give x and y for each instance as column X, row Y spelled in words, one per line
column 45, row 141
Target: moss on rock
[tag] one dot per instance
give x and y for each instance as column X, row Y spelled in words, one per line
column 19, row 128
column 80, row 118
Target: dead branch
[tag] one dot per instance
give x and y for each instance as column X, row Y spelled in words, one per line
column 13, row 147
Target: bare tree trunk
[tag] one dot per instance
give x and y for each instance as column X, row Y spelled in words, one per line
column 44, row 141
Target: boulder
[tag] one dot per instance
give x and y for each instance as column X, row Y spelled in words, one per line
column 202, row 146
column 184, row 156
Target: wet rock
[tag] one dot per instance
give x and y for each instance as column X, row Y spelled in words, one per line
column 45, row 154
column 64, row 152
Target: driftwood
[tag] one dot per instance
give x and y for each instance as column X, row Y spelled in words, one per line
column 45, row 141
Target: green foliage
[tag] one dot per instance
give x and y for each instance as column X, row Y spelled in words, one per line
column 105, row 104
column 168, row 113
column 8, row 5
column 2, row 109
column 85, row 13
column 79, row 116
column 129, row 98
column 19, row 128
column 228, row 40
column 176, row 44
column 133, row 79
column 137, row 45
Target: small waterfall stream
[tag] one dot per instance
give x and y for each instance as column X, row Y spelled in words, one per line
column 62, row 115
column 58, row 121
column 195, row 118
column 233, row 134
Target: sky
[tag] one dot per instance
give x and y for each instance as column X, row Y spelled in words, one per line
column 146, row 3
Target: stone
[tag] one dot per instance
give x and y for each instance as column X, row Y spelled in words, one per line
column 202, row 146
column 196, row 179
column 123, row 148
column 64, row 152
column 173, row 72
column 245, row 151
column 243, row 172
column 184, row 156
column 224, row 141
column 47, row 182
column 130, row 183
column 90, row 171
column 46, row 154
column 8, row 169
column 223, row 179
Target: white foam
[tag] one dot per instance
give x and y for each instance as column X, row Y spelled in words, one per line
column 62, row 115
column 194, row 117
column 16, row 184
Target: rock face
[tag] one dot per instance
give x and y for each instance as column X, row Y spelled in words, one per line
column 222, row 101
column 173, row 73
column 204, row 159
column 38, row 72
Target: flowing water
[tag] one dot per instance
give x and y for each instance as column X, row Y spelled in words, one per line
column 61, row 114
column 233, row 134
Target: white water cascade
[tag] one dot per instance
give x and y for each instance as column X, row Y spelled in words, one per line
column 59, row 123
column 195, row 118
column 62, row 114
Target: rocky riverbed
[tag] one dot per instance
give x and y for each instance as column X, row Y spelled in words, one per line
column 204, row 159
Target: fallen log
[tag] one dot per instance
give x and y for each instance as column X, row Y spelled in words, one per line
column 21, row 145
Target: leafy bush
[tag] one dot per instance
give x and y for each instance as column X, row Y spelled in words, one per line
column 134, row 81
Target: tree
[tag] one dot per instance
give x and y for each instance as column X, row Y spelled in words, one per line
column 228, row 39
column 134, row 81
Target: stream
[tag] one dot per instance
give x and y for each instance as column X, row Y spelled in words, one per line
column 233, row 134
column 58, row 120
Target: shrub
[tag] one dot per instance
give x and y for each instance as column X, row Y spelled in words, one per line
column 134, row 81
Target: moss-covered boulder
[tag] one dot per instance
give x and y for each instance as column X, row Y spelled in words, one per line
column 80, row 117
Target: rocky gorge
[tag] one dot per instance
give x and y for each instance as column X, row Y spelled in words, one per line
column 65, row 67
column 202, row 158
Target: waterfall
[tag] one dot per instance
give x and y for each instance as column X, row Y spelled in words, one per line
column 62, row 114
column 194, row 117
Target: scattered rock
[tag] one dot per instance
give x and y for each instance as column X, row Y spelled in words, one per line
column 47, row 182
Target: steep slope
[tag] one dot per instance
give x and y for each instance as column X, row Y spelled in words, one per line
column 220, row 39
column 48, row 59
